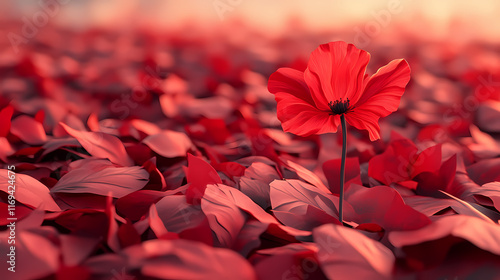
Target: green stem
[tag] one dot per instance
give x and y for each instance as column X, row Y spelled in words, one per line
column 342, row 167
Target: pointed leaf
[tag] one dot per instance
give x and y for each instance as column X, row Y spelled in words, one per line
column 169, row 143
column 101, row 145
column 346, row 253
column 118, row 181
column 29, row 191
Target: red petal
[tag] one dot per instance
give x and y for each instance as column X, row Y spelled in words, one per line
column 365, row 119
column 336, row 70
column 303, row 119
column 290, row 81
column 385, row 88
column 381, row 97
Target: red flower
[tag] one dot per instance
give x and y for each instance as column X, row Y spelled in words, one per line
column 335, row 83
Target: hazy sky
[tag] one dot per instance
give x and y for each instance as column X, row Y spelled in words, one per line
column 480, row 17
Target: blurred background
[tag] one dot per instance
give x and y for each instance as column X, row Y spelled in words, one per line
column 198, row 70
column 454, row 19
column 127, row 59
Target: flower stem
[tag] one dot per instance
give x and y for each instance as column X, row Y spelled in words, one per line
column 342, row 167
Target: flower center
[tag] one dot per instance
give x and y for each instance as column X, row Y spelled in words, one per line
column 339, row 107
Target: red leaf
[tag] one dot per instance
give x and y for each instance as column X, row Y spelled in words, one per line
column 485, row 171
column 255, row 183
column 36, row 255
column 181, row 259
column 308, row 176
column 210, row 130
column 331, row 168
column 489, row 191
column 200, row 233
column 75, row 248
column 294, row 261
column 5, row 119
column 57, row 143
column 93, row 122
column 249, row 237
column 177, row 215
column 485, row 235
column 231, row 169
column 22, row 212
column 228, row 196
column 155, row 223
column 117, row 181
column 400, row 162
column 134, row 205
column 488, row 115
column 101, row 145
column 467, row 209
column 28, row 191
column 384, row 206
column 292, row 201
column 346, row 253
column 198, row 174
column 40, row 116
column 128, row 235
column 225, row 218
column 169, row 143
column 486, row 146
column 28, row 130
column 429, row 183
column 5, row 149
column 156, row 179
column 216, row 107
column 429, row 160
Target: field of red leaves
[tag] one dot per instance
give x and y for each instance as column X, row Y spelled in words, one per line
column 160, row 156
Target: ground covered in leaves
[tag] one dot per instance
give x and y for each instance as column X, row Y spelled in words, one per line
column 159, row 156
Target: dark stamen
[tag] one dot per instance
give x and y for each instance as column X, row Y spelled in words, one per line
column 340, row 107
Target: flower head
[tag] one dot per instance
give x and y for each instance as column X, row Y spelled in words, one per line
column 335, row 83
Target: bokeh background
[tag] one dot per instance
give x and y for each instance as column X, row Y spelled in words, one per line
column 123, row 58
column 456, row 20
